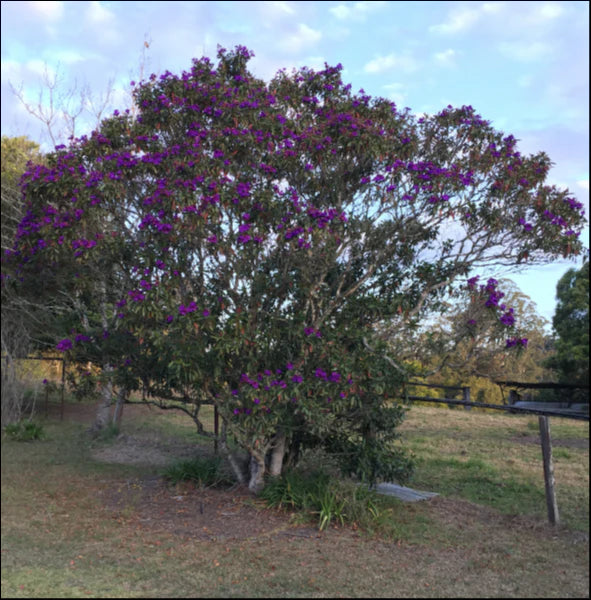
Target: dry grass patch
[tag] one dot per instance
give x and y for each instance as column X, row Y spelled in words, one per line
column 73, row 526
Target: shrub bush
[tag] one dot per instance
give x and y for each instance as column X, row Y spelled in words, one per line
column 205, row 472
column 24, row 431
column 332, row 500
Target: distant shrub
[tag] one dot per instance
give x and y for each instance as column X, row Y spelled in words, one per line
column 24, row 431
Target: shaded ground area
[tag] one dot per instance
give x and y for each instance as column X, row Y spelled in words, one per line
column 204, row 514
column 234, row 514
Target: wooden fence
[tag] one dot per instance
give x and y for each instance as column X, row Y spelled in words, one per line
column 62, row 387
column 521, row 408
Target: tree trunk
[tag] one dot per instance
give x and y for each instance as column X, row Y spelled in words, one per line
column 277, row 454
column 257, row 472
column 103, row 411
column 238, row 471
column 118, row 412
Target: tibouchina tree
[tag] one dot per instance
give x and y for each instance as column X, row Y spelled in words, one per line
column 265, row 241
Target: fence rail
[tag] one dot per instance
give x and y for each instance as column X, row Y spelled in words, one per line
column 580, row 416
column 543, row 421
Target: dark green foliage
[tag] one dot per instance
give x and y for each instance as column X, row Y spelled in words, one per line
column 324, row 498
column 571, row 325
column 203, row 471
column 24, row 431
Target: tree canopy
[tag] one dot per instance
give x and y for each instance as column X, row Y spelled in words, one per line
column 571, row 326
column 262, row 246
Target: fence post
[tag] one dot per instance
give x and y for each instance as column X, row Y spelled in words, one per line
column 63, row 387
column 216, row 428
column 466, row 397
column 548, row 470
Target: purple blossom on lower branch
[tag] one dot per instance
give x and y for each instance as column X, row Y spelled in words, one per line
column 65, row 344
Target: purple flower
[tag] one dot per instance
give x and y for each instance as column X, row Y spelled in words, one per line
column 212, row 239
column 297, row 378
column 64, row 345
column 320, row 374
column 205, row 313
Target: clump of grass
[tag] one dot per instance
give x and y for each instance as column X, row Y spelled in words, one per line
column 24, row 431
column 205, row 472
column 325, row 498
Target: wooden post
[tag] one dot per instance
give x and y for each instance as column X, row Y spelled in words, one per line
column 466, row 397
column 63, row 387
column 548, row 471
column 216, row 428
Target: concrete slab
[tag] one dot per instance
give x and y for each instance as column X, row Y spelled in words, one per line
column 404, row 493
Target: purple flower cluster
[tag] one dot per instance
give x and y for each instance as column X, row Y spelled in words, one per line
column 308, row 331
column 67, row 344
column 64, row 345
column 516, row 341
column 507, row 318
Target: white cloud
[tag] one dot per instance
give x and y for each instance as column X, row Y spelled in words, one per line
column 10, row 70
column 525, row 51
column 341, row 11
column 358, row 10
column 458, row 20
column 446, row 58
column 68, row 57
column 380, row 64
column 551, row 10
column 98, row 14
column 304, row 37
column 493, row 7
column 280, row 7
column 40, row 68
column 583, row 183
column 52, row 11
column 395, row 92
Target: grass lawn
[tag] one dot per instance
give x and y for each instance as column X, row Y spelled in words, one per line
column 94, row 519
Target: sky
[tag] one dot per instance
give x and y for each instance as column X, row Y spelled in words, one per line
column 522, row 65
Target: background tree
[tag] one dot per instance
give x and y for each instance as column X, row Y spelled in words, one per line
column 571, row 327
column 16, row 153
column 465, row 347
column 273, row 241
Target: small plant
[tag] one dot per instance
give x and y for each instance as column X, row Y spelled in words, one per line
column 203, row 471
column 109, row 432
column 332, row 500
column 331, row 508
column 295, row 490
column 24, row 431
